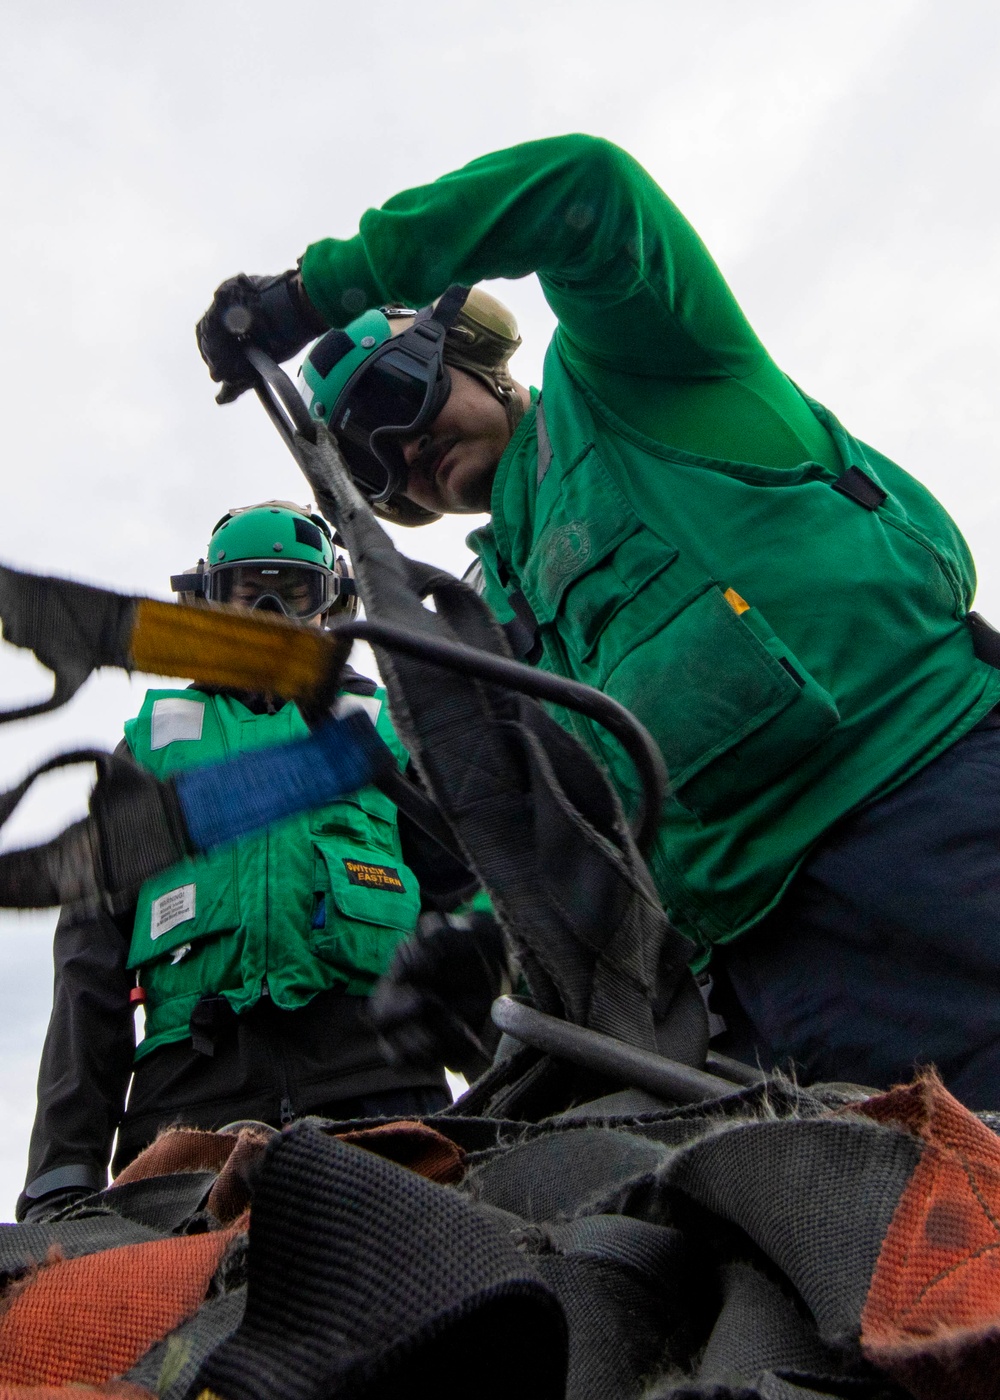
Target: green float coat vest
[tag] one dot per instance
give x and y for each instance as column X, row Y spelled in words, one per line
column 320, row 900
column 850, row 668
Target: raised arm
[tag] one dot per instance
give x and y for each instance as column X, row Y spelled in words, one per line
column 614, row 256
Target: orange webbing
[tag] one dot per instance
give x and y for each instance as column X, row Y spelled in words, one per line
column 86, row 1320
column 932, row 1315
column 237, row 650
column 179, row 1150
column 414, row 1145
column 117, row 1390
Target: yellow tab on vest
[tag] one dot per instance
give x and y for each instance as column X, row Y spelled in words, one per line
column 738, row 604
column 375, row 877
column 237, row 650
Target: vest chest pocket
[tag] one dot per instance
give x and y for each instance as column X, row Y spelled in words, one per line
column 372, row 901
column 194, row 900
column 590, row 568
column 730, row 706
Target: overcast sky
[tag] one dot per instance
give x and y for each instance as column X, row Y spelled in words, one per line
column 840, row 160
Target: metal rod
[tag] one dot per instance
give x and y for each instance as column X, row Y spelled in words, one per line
column 735, row 1070
column 643, row 1068
column 634, row 738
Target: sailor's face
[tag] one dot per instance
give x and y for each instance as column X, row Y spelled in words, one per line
column 452, row 465
column 266, row 583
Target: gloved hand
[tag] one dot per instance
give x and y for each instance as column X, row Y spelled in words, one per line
column 273, row 313
column 433, row 1005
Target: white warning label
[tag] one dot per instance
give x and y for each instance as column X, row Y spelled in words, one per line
column 173, row 908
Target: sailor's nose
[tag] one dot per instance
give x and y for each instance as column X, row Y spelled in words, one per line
column 413, row 448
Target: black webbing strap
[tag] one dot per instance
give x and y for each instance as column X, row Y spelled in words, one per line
column 134, row 830
column 366, row 1280
column 858, row 487
column 522, row 630
column 544, row 832
column 449, row 305
column 71, row 627
column 544, row 445
column 985, row 639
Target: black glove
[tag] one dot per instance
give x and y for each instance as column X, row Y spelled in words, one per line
column 273, row 313
column 433, row 1005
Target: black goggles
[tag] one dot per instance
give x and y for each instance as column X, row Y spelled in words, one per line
column 394, row 396
column 296, row 589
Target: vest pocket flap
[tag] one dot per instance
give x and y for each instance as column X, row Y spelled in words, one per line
column 369, row 886
column 362, row 816
column 185, row 904
column 591, row 519
column 727, row 702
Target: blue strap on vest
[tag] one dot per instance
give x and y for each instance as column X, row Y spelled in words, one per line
column 224, row 801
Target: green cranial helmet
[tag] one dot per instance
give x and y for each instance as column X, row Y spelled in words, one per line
column 273, row 557
column 384, row 378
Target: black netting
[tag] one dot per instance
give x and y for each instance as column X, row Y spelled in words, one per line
column 544, row 833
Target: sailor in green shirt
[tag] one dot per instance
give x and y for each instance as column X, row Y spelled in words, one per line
column 674, row 521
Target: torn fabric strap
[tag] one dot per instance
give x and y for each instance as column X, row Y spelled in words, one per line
column 74, row 628
column 71, row 627
column 544, row 833
column 134, row 830
column 139, row 826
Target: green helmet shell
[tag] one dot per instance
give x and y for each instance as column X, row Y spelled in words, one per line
column 270, row 532
column 321, row 386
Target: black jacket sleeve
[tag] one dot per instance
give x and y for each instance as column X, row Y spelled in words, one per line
column 86, row 1060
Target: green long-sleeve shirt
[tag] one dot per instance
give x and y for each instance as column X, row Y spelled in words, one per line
column 691, row 478
column 645, row 316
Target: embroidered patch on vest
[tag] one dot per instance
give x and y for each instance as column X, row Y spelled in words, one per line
column 175, row 719
column 373, row 877
column 567, row 548
column 173, row 908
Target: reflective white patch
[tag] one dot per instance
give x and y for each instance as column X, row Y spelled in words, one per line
column 179, row 953
column 173, row 908
column 175, row 719
column 370, row 704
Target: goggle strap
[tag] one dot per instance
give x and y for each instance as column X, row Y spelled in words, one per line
column 447, row 310
column 189, row 583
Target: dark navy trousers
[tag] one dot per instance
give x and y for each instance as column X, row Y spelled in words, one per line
column 884, row 954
